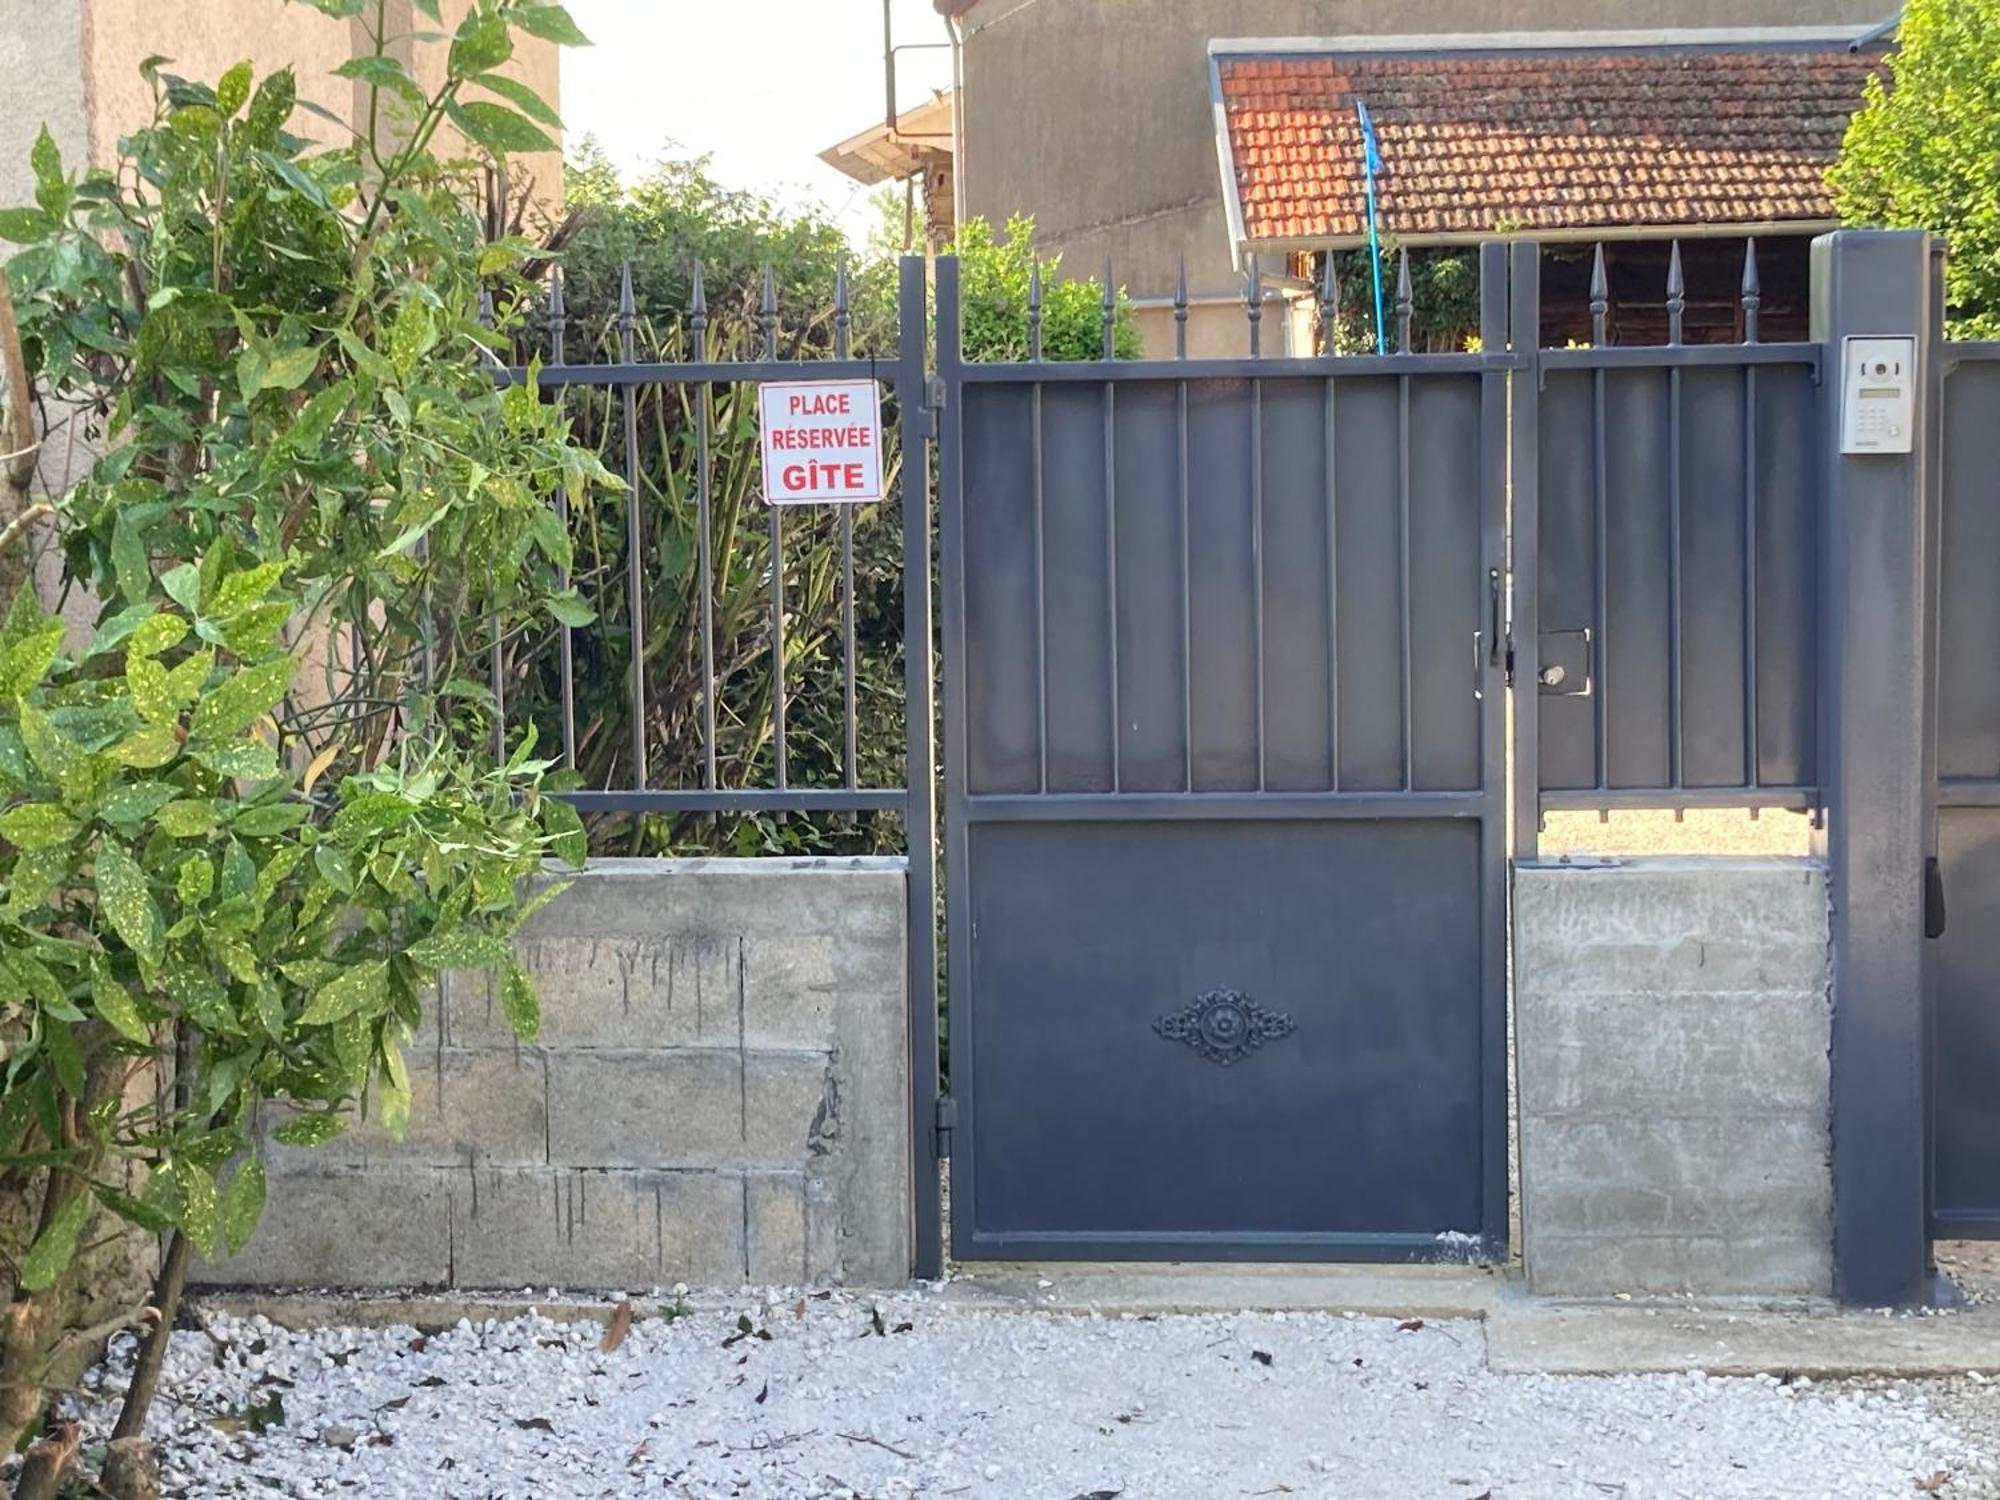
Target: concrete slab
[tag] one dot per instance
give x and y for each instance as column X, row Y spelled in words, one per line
column 1822, row 1343
column 1434, row 1292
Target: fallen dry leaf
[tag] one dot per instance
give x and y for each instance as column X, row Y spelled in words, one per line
column 1933, row 1484
column 619, row 1326
column 1260, row 1356
column 534, row 1424
column 1409, row 1325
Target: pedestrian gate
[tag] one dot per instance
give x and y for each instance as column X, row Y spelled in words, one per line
column 1225, row 800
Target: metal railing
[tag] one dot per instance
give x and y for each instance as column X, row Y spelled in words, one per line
column 1665, row 537
column 628, row 376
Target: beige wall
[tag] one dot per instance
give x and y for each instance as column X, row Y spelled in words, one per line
column 1094, row 115
column 41, row 81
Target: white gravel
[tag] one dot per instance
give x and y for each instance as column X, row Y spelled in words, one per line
column 813, row 1401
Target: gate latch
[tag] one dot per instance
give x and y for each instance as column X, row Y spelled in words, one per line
column 1493, row 646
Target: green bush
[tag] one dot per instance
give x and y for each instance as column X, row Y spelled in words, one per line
column 247, row 825
column 1924, row 150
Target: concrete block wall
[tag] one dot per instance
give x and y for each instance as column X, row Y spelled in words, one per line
column 718, row 1095
column 1673, row 1022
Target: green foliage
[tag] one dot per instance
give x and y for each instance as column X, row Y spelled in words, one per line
column 1924, row 150
column 994, row 277
column 253, row 818
column 1444, row 300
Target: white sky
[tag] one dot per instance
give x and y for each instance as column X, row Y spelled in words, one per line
column 764, row 85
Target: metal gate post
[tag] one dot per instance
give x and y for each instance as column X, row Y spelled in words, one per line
column 920, row 769
column 1871, row 757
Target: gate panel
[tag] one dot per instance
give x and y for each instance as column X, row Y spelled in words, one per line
column 1224, row 802
column 1964, row 962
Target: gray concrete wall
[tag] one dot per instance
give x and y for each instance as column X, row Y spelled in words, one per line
column 1672, row 1020
column 718, row 1095
column 1094, row 115
column 41, row 83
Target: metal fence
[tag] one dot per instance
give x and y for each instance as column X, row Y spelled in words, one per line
column 1664, row 511
column 913, row 798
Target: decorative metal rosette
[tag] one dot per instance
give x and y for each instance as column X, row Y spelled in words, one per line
column 1224, row 1026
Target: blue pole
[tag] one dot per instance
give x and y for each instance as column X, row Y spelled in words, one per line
column 1372, row 158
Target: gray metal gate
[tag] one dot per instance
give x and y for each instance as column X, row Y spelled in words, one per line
column 1963, row 974
column 1224, row 800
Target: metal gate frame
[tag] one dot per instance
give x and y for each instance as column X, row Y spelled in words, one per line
column 959, row 1114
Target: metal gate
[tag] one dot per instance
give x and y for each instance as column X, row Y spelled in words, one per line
column 1224, row 800
column 1963, row 973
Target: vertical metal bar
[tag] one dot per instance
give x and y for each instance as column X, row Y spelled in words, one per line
column 767, row 316
column 962, row 999
column 1257, row 556
column 566, row 637
column 1041, row 586
column 1600, row 491
column 1521, row 268
column 704, row 527
column 1494, row 389
column 1405, row 666
column 1111, row 569
column 1110, row 316
column 1753, row 773
column 635, row 572
column 842, row 320
column 919, row 762
column 1676, row 724
column 1187, row 586
column 1332, row 582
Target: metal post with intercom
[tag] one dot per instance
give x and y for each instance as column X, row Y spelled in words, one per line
column 1871, row 314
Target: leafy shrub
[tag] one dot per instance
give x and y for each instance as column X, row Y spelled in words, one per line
column 251, row 820
column 1924, row 150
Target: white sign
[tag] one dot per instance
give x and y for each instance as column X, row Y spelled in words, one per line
column 822, row 441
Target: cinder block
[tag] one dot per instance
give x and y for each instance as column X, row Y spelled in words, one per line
column 780, row 1246
column 484, row 1107
column 627, row 1231
column 685, row 1109
column 374, row 1227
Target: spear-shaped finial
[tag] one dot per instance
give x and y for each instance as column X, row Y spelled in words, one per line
column 1253, row 303
column 1600, row 297
column 1034, row 305
column 697, row 313
column 767, row 312
column 843, row 320
column 1676, row 294
column 1109, row 312
column 628, row 313
column 1329, row 301
column 1753, row 291
column 558, row 316
column 1180, row 310
column 1405, row 302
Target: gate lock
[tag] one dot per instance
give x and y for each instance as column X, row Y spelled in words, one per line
column 1566, row 658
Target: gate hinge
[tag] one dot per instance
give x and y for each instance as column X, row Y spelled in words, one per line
column 945, row 1123
column 934, row 399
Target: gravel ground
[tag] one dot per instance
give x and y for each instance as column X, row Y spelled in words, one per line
column 775, row 1395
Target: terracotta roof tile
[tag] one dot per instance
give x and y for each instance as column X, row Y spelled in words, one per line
column 1550, row 140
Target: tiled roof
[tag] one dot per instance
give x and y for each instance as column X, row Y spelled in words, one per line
column 1531, row 139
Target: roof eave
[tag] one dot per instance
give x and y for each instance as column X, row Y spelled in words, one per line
column 1281, row 245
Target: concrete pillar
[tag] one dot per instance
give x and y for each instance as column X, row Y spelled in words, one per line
column 1871, row 755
